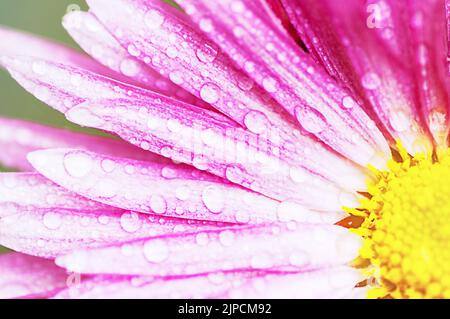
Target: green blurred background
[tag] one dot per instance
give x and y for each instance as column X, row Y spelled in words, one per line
column 41, row 17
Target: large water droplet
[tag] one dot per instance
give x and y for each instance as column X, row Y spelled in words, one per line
column 202, row 239
column 52, row 221
column 206, row 25
column 158, row 204
column 371, row 81
column 270, row 84
column 311, row 120
column 153, row 19
column 39, row 67
column 226, row 237
column 156, row 251
column 298, row 175
column 183, row 193
column 256, row 122
column 78, row 164
column 210, row 93
column 206, row 53
column 130, row 222
column 213, row 199
column 129, row 67
column 108, row 165
column 348, row 102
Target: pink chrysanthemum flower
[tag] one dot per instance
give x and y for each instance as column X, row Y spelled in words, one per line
column 269, row 148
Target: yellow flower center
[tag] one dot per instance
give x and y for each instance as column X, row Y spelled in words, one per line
column 406, row 228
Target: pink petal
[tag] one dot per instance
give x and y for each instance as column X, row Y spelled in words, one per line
column 41, row 48
column 382, row 79
column 48, row 233
column 278, row 64
column 301, row 247
column 35, row 191
column 93, row 37
column 326, row 283
column 429, row 56
column 18, row 138
column 60, row 85
column 271, row 167
column 24, row 276
column 166, row 189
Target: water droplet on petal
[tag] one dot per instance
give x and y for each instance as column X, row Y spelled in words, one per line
column 202, row 239
column 129, row 67
column 297, row 175
column 206, row 25
column 39, row 67
column 311, row 120
column 52, row 221
column 158, row 204
column 183, row 193
column 156, row 251
column 290, row 211
column 172, row 52
column 256, row 122
column 130, row 222
column 371, row 81
column 207, row 53
column 213, row 199
column 78, row 164
column 210, row 93
column 299, row 259
column 108, row 165
column 270, row 84
column 153, row 19
column 348, row 102
column 226, row 237
column 107, row 188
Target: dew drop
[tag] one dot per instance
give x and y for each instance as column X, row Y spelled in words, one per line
column 348, row 102
column 256, row 122
column 288, row 211
column 183, row 193
column 202, row 239
column 39, row 67
column 52, row 221
column 399, row 121
column 176, row 77
column 206, row 25
column 78, row 164
column 156, row 251
column 172, row 52
column 108, row 165
column 130, row 222
column 297, row 175
column 371, row 81
column 213, row 199
column 210, row 93
column 226, row 237
column 270, row 84
column 311, row 120
column 174, row 125
column 158, row 204
column 129, row 67
column 153, row 19
column 107, row 188
column 206, row 53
